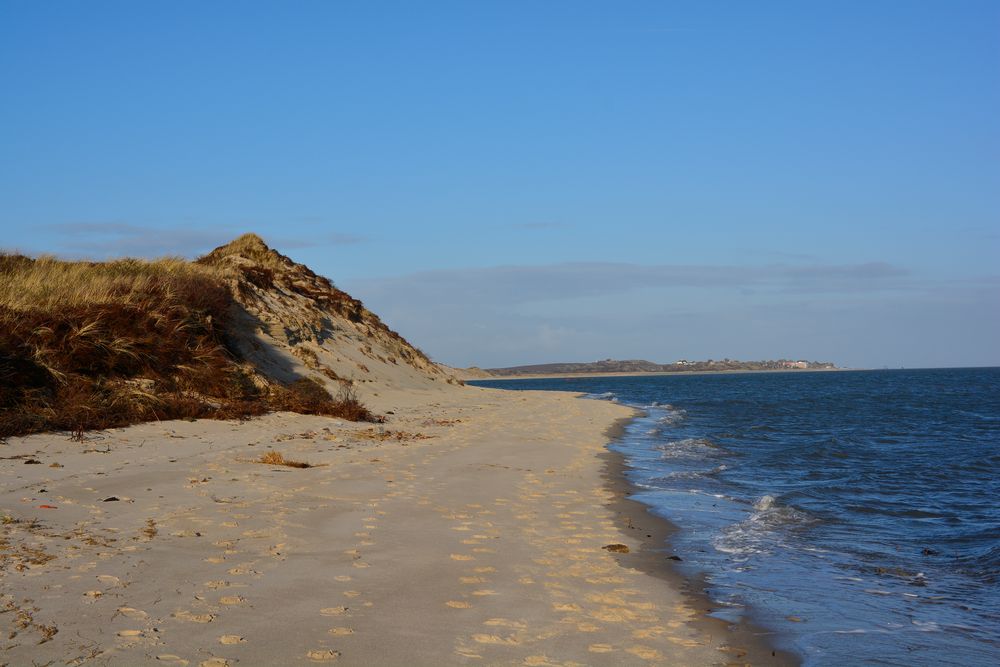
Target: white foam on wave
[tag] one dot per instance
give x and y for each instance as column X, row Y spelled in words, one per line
column 688, row 448
column 761, row 531
column 764, row 503
column 672, row 416
column 604, row 396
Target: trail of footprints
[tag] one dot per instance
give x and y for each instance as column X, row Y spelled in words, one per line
column 568, row 553
column 562, row 565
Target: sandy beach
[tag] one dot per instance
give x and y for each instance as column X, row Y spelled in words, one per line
column 468, row 529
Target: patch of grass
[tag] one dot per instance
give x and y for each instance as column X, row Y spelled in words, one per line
column 309, row 397
column 274, row 458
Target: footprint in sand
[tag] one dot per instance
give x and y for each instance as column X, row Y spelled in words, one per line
column 333, row 611
column 645, row 652
column 341, row 631
column 194, row 618
column 171, row 659
column 130, row 633
column 458, row 604
column 323, row 655
column 600, row 648
column 232, row 599
column 496, row 639
column 231, row 639
column 342, row 577
column 132, row 613
column 506, row 623
column 214, row 662
column 462, row 557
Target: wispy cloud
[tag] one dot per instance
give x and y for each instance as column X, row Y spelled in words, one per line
column 866, row 314
column 522, row 284
column 110, row 238
column 113, row 238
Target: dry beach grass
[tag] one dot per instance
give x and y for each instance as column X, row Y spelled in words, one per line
column 91, row 345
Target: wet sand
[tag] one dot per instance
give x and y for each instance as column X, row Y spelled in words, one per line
column 469, row 529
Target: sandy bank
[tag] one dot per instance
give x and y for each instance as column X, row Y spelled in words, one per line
column 467, row 530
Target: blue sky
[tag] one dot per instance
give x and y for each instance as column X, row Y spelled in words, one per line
column 520, row 182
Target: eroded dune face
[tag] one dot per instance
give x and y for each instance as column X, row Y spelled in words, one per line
column 290, row 322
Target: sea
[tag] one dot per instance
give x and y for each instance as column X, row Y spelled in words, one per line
column 853, row 515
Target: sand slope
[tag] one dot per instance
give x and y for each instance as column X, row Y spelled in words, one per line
column 289, row 322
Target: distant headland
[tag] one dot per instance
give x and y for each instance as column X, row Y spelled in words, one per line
column 639, row 366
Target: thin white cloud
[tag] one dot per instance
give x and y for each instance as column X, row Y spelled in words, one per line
column 113, row 239
column 523, row 284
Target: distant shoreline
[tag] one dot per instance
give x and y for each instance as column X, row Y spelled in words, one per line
column 556, row 376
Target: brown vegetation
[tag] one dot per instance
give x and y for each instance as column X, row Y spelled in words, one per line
column 274, row 458
column 87, row 345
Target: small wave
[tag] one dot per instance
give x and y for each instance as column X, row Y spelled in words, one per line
column 758, row 533
column 926, row 626
column 689, row 474
column 673, row 416
column 604, row 396
column 765, row 503
column 689, row 448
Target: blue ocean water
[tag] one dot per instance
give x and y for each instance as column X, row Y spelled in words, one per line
column 856, row 514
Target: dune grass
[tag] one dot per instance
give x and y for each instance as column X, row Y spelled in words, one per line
column 274, row 458
column 90, row 345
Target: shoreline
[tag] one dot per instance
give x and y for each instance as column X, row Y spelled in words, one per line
column 747, row 642
column 474, row 529
column 577, row 376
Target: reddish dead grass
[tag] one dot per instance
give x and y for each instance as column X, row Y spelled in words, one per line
column 88, row 345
